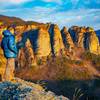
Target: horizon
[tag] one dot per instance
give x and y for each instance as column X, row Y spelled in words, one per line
column 61, row 12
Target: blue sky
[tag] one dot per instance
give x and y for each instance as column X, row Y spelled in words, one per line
column 62, row 12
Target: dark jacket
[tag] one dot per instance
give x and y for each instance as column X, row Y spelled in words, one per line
column 8, row 45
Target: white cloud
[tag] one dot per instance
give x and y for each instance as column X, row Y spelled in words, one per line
column 82, row 17
column 56, row 1
column 14, row 1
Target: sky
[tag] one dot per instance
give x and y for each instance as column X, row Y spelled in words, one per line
column 62, row 12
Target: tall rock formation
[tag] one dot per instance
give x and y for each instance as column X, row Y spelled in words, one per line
column 72, row 32
column 77, row 34
column 85, row 38
column 80, row 33
column 26, row 57
column 39, row 42
column 67, row 40
column 91, row 41
column 34, row 45
column 57, row 45
column 43, row 43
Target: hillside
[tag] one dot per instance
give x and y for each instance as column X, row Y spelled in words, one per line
column 11, row 20
column 15, row 20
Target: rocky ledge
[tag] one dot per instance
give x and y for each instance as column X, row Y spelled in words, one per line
column 23, row 90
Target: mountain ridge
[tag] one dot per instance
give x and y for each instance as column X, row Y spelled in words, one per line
column 15, row 20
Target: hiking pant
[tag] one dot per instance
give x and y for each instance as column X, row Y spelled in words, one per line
column 9, row 71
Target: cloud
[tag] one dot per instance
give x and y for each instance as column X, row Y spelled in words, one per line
column 82, row 17
column 56, row 1
column 14, row 1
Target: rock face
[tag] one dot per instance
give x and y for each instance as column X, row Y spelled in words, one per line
column 77, row 34
column 41, row 41
column 36, row 45
column 91, row 41
column 26, row 57
column 67, row 40
column 22, row 90
column 57, row 45
column 85, row 38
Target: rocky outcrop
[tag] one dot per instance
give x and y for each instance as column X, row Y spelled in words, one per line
column 77, row 34
column 57, row 45
column 41, row 41
column 85, row 38
column 35, row 44
column 67, row 40
column 91, row 41
column 23, row 90
column 26, row 57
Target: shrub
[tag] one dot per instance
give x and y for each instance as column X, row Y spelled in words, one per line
column 77, row 94
column 87, row 55
column 39, row 62
column 62, row 68
column 95, row 59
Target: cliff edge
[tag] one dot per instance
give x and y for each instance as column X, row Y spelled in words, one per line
column 23, row 90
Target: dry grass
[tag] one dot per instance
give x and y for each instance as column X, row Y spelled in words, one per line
column 94, row 59
column 59, row 68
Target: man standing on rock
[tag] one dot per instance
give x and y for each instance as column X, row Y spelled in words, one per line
column 10, row 52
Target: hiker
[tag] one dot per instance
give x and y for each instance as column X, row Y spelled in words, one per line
column 10, row 52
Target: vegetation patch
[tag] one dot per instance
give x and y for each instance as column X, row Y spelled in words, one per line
column 95, row 59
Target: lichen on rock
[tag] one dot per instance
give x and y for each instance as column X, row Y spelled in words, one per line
column 23, row 90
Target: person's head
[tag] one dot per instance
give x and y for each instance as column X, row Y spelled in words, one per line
column 11, row 28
